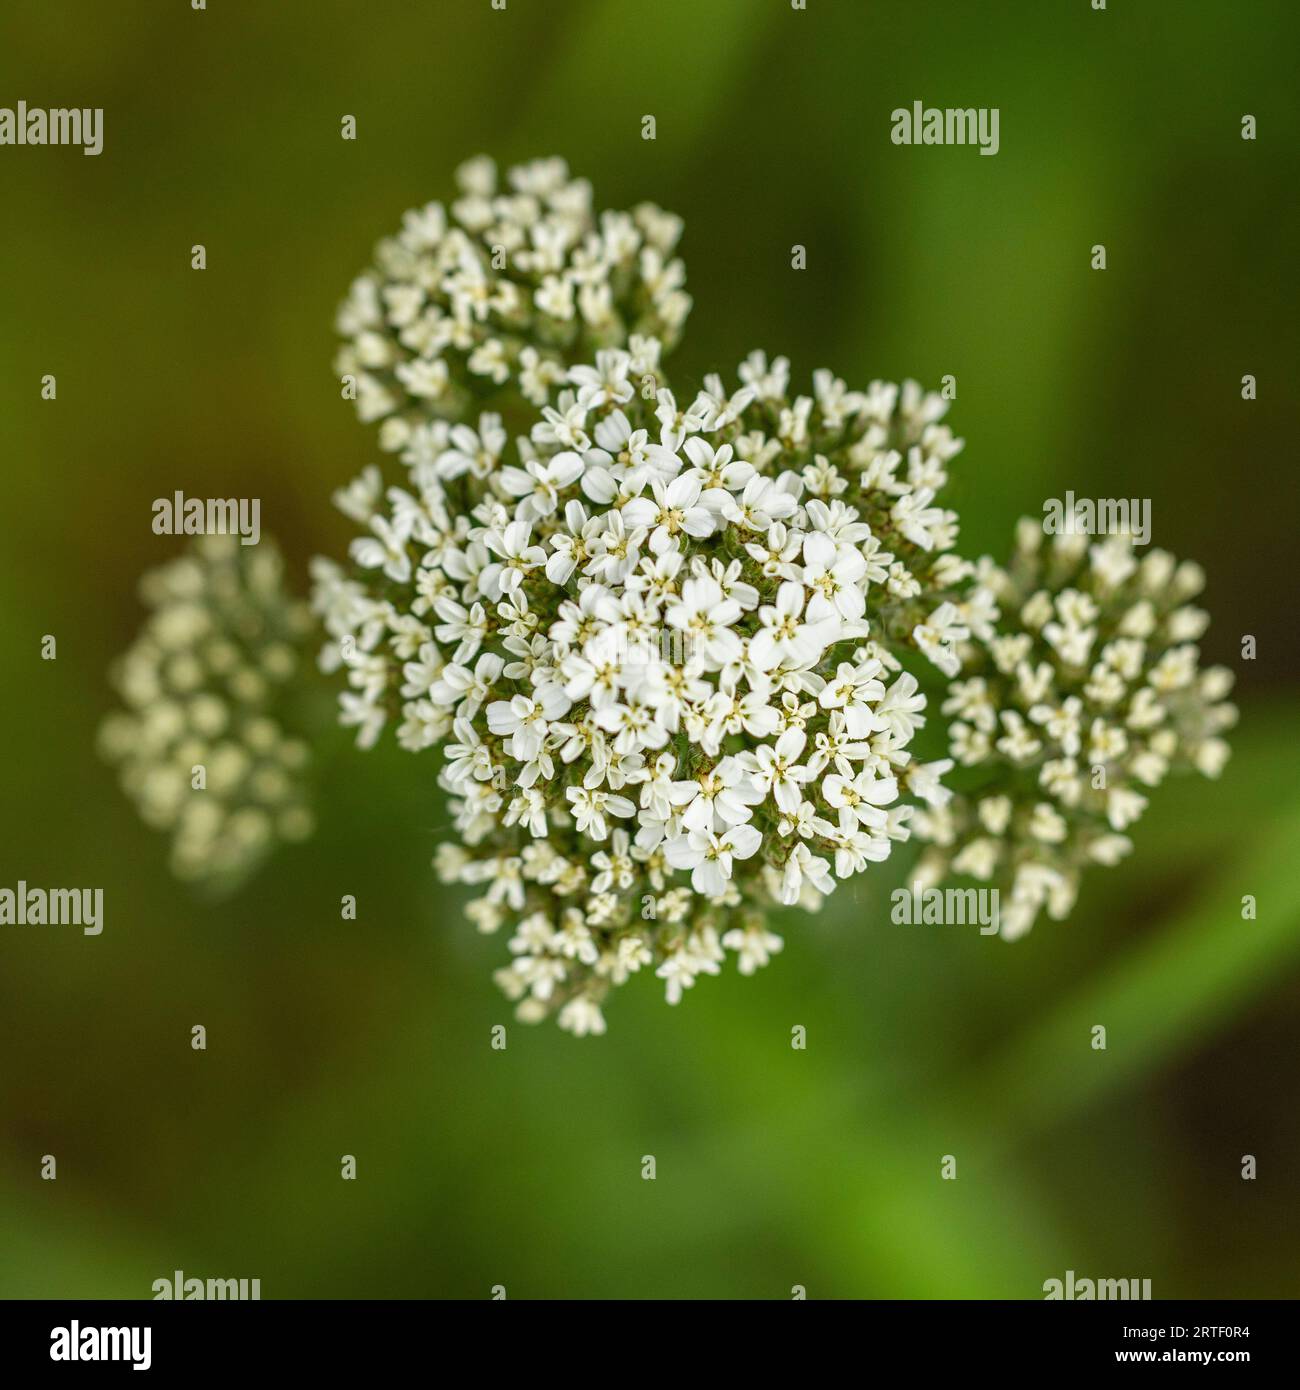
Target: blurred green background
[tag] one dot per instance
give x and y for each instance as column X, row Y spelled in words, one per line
column 775, row 1167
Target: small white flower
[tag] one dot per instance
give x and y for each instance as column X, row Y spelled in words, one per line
column 709, row 855
column 754, row 945
column 785, row 638
column 591, row 807
column 776, row 769
column 859, row 801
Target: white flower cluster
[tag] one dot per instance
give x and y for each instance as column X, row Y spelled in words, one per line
column 656, row 644
column 658, row 647
column 200, row 745
column 497, row 295
column 1085, row 696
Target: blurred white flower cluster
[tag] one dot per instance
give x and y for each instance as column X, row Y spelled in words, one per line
column 496, row 295
column 656, row 642
column 1086, row 694
column 200, row 746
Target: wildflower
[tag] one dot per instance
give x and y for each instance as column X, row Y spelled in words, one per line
column 684, row 686
column 512, row 284
column 202, row 743
column 1098, row 694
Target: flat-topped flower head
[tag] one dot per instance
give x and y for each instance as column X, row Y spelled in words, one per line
column 1077, row 702
column 493, row 298
column 658, row 645
column 657, row 641
column 201, row 743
